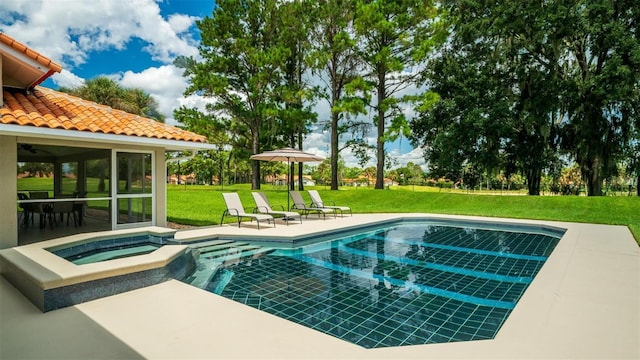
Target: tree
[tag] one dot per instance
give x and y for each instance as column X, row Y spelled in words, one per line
column 352, row 172
column 240, row 68
column 36, row 169
column 336, row 62
column 105, row 91
column 633, row 156
column 216, row 131
column 145, row 103
column 296, row 93
column 601, row 68
column 369, row 173
column 415, row 173
column 496, row 102
column 516, row 81
column 392, row 36
column 323, row 172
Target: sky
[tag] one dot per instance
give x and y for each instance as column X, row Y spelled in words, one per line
column 134, row 42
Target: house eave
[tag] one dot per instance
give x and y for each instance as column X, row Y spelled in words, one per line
column 112, row 139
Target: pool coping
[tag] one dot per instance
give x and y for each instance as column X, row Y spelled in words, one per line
column 583, row 303
column 51, row 282
column 48, row 270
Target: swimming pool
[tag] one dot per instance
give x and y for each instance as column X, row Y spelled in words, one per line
column 404, row 283
column 110, row 249
column 79, row 268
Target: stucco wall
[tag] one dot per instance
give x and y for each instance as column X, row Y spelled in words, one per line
column 161, row 188
column 8, row 191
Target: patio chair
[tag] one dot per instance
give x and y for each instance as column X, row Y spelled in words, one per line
column 61, row 208
column 26, row 208
column 299, row 204
column 263, row 206
column 316, row 201
column 40, row 208
column 235, row 208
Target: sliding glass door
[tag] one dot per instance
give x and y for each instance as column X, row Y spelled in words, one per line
column 135, row 188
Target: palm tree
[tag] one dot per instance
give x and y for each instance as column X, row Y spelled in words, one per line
column 105, row 91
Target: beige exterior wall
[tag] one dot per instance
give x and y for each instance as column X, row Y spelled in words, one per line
column 8, row 191
column 161, row 188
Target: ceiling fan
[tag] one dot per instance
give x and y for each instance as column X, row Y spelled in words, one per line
column 29, row 148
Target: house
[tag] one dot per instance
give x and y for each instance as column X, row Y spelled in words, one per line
column 111, row 160
column 281, row 179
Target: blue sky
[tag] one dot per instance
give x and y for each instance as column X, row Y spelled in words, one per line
column 133, row 42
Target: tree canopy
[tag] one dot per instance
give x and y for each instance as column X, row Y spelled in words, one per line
column 105, row 91
column 521, row 84
column 485, row 88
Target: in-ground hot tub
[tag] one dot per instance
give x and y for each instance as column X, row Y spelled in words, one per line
column 107, row 263
column 110, row 249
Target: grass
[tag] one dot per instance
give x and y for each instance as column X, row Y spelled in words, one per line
column 203, row 205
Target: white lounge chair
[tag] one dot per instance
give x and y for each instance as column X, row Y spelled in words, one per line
column 316, row 201
column 235, row 208
column 299, row 204
column 263, row 206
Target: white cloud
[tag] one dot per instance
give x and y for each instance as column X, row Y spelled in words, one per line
column 180, row 23
column 414, row 156
column 165, row 83
column 67, row 79
column 317, row 142
column 196, row 101
column 67, row 31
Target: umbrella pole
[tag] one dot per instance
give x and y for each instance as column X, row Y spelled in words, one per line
column 288, row 188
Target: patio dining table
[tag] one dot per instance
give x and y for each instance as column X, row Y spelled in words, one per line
column 44, row 206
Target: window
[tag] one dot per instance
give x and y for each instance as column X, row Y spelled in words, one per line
column 134, row 196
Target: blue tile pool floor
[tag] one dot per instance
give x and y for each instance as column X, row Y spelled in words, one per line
column 405, row 284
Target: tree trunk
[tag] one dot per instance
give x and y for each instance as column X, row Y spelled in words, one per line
column 291, row 171
column 255, row 166
column 638, row 184
column 593, row 179
column 533, row 181
column 300, row 178
column 334, row 150
column 380, row 137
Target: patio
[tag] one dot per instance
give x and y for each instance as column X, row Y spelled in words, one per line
column 71, row 150
column 583, row 304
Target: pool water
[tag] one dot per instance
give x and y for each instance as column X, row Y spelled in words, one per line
column 118, row 252
column 110, row 248
column 405, row 284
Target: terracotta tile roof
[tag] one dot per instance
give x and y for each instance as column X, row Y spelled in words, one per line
column 29, row 52
column 46, row 108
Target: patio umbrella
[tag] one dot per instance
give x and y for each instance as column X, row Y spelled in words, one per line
column 289, row 155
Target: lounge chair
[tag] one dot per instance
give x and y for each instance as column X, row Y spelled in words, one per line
column 316, row 201
column 235, row 208
column 263, row 206
column 299, row 204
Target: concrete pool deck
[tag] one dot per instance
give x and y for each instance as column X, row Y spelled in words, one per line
column 584, row 303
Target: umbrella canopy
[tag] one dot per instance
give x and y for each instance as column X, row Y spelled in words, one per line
column 289, row 155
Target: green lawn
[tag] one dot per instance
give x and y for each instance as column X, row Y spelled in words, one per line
column 203, row 205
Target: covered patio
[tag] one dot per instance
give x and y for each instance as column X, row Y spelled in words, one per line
column 68, row 160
